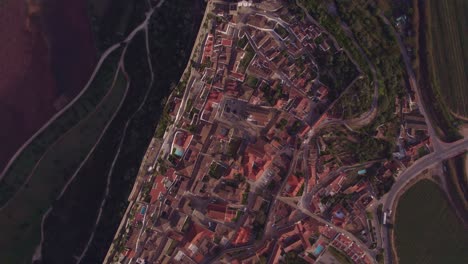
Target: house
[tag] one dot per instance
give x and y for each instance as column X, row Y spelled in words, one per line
column 243, row 236
column 322, row 92
column 293, row 185
column 257, row 159
column 220, row 212
column 200, row 242
column 208, row 48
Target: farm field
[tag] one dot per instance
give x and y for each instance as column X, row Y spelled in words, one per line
column 80, row 209
column 27, row 89
column 427, row 229
column 21, row 168
column 448, row 49
column 38, row 73
column 437, row 108
column 141, row 130
column 20, row 219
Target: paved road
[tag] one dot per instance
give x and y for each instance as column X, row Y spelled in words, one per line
column 447, row 151
column 437, row 144
column 368, row 116
column 290, row 202
column 441, row 152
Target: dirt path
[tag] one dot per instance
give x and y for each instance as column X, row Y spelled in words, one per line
column 37, row 255
column 111, row 170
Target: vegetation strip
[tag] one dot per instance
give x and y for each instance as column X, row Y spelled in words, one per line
column 20, row 170
column 21, row 218
column 449, row 52
column 444, row 122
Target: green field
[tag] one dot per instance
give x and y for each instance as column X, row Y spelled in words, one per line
column 172, row 31
column 448, row 51
column 21, row 169
column 339, row 255
column 427, row 230
column 356, row 100
column 378, row 44
column 77, row 208
column 20, row 219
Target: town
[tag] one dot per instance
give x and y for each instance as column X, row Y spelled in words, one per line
column 257, row 163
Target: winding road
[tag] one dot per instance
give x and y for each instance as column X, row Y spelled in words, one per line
column 442, row 150
column 448, row 150
column 437, row 144
column 366, row 117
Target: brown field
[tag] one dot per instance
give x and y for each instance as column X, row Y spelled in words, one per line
column 448, row 52
column 36, row 69
column 438, row 112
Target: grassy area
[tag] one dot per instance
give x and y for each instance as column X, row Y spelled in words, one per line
column 21, row 218
column 281, row 31
column 427, row 229
column 251, row 81
column 318, row 10
column 248, row 56
column 242, row 42
column 354, row 147
column 172, row 31
column 78, row 208
column 376, row 41
column 356, row 100
column 336, row 70
column 23, row 165
column 293, row 257
column 340, row 256
column 448, row 52
column 381, row 48
column 112, row 20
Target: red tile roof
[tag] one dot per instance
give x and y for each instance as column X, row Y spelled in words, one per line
column 226, row 42
column 327, row 232
column 243, row 236
column 220, row 212
column 294, row 185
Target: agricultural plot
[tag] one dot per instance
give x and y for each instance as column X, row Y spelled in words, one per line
column 448, row 49
column 22, row 167
column 80, row 209
column 348, row 148
column 61, row 245
column 427, row 229
column 21, row 217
